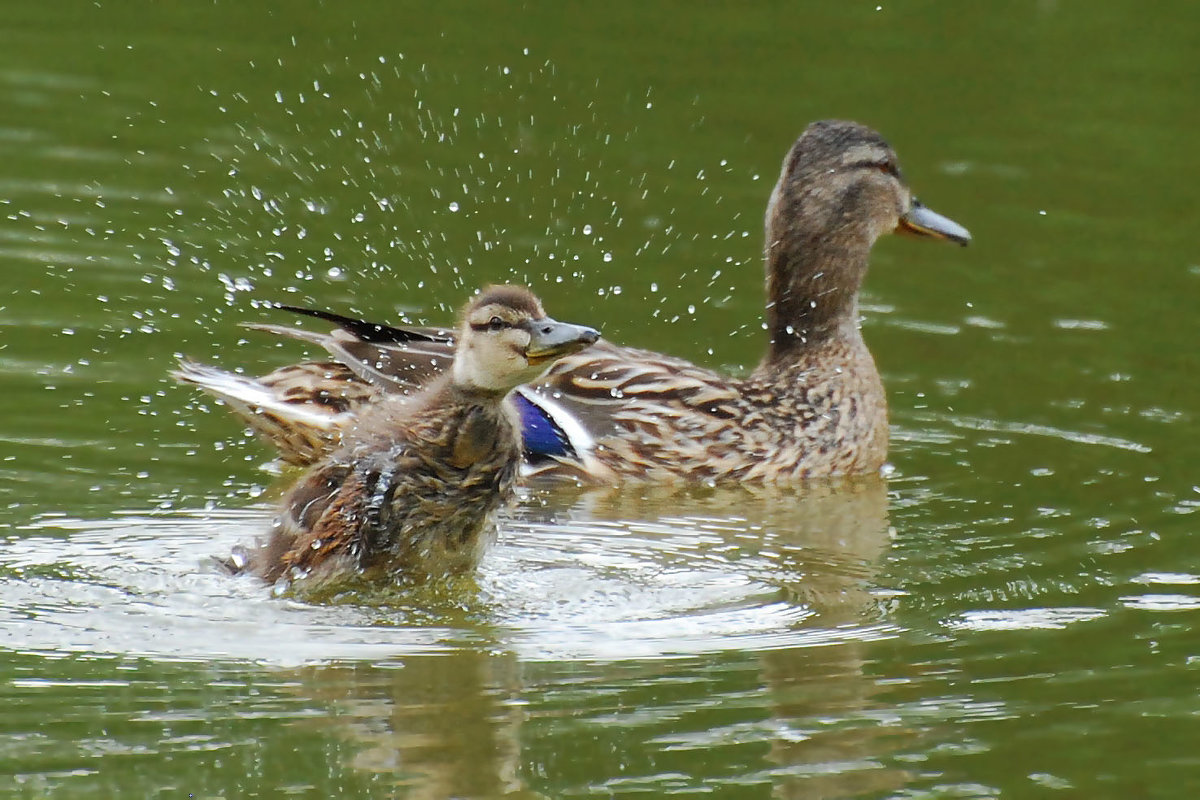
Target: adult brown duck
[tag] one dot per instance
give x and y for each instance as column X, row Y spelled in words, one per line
column 814, row 407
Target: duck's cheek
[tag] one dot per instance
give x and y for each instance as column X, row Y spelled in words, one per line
column 521, row 369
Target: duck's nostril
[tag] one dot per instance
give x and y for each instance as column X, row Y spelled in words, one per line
column 547, row 329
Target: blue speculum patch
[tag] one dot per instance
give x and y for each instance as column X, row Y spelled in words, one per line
column 542, row 436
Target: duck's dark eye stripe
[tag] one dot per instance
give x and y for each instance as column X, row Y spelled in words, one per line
column 493, row 324
column 882, row 166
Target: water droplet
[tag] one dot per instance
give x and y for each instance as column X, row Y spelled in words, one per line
column 453, row 206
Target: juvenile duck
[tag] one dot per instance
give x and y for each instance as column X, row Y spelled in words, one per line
column 813, row 407
column 411, row 489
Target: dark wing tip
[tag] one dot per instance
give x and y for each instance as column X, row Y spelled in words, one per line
column 372, row 332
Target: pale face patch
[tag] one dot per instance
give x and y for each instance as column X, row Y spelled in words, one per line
column 491, row 351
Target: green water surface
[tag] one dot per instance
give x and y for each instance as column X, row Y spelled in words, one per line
column 1013, row 612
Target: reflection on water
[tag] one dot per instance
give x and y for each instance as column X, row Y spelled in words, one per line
column 600, row 606
column 420, row 721
column 822, row 733
column 836, row 733
column 818, row 545
column 629, row 574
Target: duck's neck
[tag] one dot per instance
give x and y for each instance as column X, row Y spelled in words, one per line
column 462, row 425
column 812, row 291
column 470, row 394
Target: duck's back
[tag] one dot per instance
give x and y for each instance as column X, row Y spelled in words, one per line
column 646, row 416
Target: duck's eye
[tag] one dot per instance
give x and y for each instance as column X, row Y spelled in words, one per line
column 886, row 167
column 494, row 324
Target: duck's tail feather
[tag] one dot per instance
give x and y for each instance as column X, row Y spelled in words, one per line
column 303, row 430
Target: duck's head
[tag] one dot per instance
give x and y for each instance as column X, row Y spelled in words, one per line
column 840, row 189
column 842, row 175
column 506, row 339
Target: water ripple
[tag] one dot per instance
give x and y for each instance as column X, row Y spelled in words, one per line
column 564, row 582
column 1079, row 437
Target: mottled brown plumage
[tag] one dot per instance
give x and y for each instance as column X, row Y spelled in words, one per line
column 814, row 406
column 411, row 489
column 820, row 413
column 302, row 409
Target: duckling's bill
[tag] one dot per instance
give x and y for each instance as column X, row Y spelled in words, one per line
column 922, row 221
column 550, row 339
